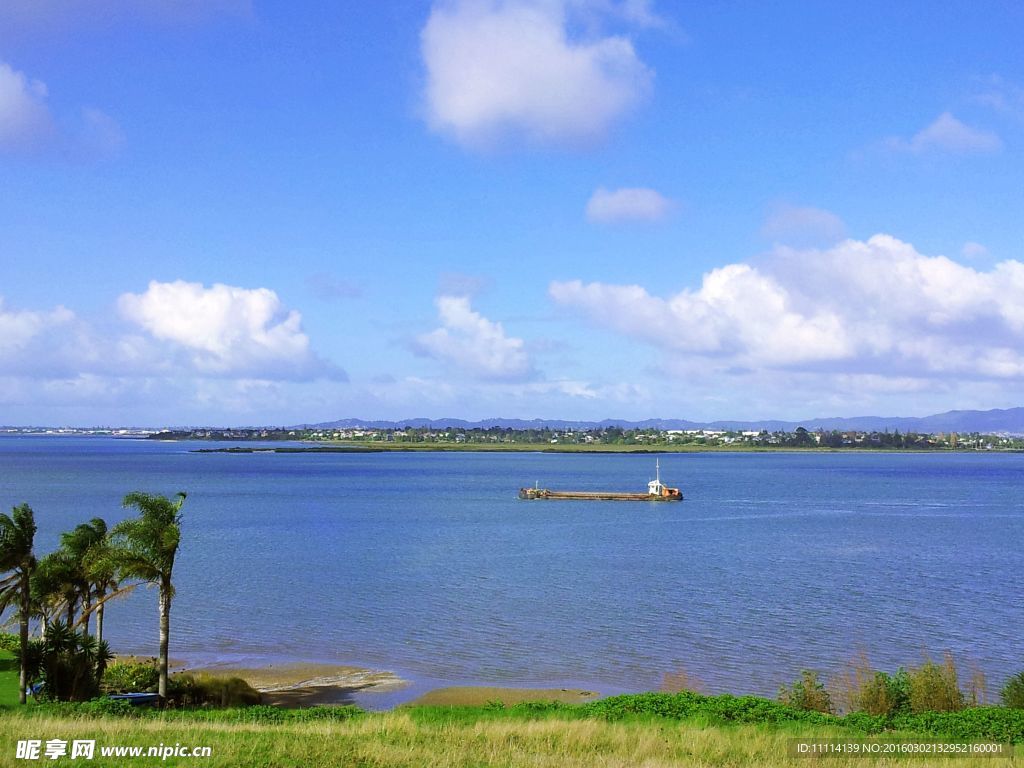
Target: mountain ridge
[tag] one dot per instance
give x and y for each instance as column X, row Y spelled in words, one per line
column 1010, row 420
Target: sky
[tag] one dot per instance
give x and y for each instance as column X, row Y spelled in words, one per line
column 263, row 212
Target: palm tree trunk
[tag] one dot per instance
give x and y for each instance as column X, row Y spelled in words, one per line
column 23, row 638
column 86, row 614
column 99, row 623
column 165, row 634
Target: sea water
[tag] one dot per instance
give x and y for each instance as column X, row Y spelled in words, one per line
column 429, row 565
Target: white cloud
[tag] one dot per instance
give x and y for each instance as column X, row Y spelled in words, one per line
column 627, row 204
column 25, row 122
column 876, row 307
column 474, row 344
column 225, row 330
column 803, row 225
column 499, row 68
column 27, row 126
column 972, row 250
column 947, row 134
column 20, row 327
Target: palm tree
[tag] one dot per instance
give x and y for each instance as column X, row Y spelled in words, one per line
column 144, row 548
column 78, row 544
column 17, row 535
column 101, row 571
column 55, row 587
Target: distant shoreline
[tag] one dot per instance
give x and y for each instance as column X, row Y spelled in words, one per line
column 569, row 448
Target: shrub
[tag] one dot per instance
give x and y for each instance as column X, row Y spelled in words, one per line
column 1013, row 692
column 188, row 690
column 884, row 694
column 69, row 664
column 859, row 687
column 131, row 677
column 1000, row 724
column 9, row 642
column 807, row 693
column 934, row 687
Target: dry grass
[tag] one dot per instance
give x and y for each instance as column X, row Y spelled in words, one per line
column 394, row 739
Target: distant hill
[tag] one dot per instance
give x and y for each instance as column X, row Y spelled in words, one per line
column 997, row 420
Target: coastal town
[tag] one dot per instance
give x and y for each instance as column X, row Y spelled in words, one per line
column 615, row 438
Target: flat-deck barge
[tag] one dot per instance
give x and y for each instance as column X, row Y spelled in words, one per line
column 656, row 491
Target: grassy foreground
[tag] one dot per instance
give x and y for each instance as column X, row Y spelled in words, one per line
column 403, row 739
column 603, row 733
column 648, row 730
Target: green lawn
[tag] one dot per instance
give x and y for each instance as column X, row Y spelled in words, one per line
column 8, row 679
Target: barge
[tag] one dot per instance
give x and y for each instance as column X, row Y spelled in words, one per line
column 656, row 491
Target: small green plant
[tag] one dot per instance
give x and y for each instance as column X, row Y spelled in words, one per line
column 807, row 693
column 9, row 642
column 1013, row 692
column 935, row 688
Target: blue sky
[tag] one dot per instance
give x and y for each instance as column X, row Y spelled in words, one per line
column 240, row 212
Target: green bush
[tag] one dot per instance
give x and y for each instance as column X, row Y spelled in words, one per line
column 807, row 693
column 884, row 694
column 68, row 664
column 131, row 677
column 934, row 687
column 1013, row 692
column 188, row 690
column 1000, row 724
column 9, row 642
column 688, row 705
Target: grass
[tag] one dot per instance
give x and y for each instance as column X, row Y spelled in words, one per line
column 649, row 730
column 8, row 679
column 411, row 738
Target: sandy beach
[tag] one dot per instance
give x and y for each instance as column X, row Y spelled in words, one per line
column 305, row 685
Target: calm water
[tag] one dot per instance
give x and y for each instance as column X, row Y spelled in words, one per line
column 428, row 564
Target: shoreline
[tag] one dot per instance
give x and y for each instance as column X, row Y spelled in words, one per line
column 306, row 684
column 295, row 685
column 568, row 449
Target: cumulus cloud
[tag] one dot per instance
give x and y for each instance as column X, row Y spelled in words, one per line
column 947, row 134
column 18, row 328
column 474, row 344
column 499, row 68
column 803, row 225
column 25, row 121
column 609, row 206
column 27, row 125
column 226, row 330
column 875, row 307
